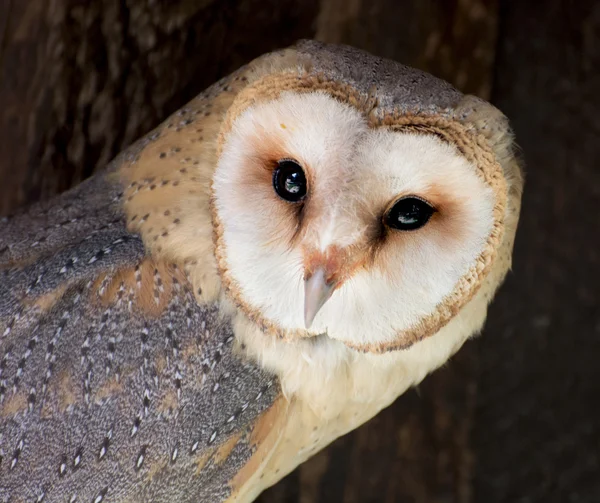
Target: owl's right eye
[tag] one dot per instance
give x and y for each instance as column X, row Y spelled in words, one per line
column 408, row 214
column 289, row 181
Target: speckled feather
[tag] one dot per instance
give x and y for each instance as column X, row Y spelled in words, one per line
column 396, row 86
column 108, row 392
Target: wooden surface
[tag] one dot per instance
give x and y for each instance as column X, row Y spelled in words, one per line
column 513, row 416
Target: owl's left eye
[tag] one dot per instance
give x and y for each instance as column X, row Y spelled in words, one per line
column 289, row 181
column 408, row 214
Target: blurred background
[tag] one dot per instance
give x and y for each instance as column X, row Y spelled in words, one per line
column 514, row 416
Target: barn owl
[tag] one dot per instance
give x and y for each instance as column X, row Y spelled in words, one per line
column 264, row 272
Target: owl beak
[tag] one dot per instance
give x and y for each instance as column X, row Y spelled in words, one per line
column 317, row 291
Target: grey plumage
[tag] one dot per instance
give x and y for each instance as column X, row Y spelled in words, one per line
column 397, row 87
column 85, row 388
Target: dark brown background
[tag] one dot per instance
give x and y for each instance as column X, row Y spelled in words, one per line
column 514, row 416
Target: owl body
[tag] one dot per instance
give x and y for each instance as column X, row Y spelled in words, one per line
column 249, row 281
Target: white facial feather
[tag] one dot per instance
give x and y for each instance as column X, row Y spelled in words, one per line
column 354, row 173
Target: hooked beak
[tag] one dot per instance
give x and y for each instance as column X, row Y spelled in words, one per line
column 317, row 291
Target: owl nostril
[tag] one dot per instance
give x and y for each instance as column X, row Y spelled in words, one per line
column 330, row 278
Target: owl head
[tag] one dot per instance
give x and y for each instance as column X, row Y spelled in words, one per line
column 358, row 198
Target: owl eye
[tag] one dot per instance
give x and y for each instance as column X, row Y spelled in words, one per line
column 408, row 214
column 289, row 181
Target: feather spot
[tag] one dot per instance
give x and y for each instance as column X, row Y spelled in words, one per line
column 101, row 495
column 62, row 469
column 136, row 426
column 140, row 459
column 78, row 458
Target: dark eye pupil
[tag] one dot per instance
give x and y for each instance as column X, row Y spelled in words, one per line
column 289, row 181
column 408, row 214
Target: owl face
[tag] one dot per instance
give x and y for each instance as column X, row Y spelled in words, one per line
column 329, row 225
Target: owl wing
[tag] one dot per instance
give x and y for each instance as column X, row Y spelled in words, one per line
column 116, row 384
